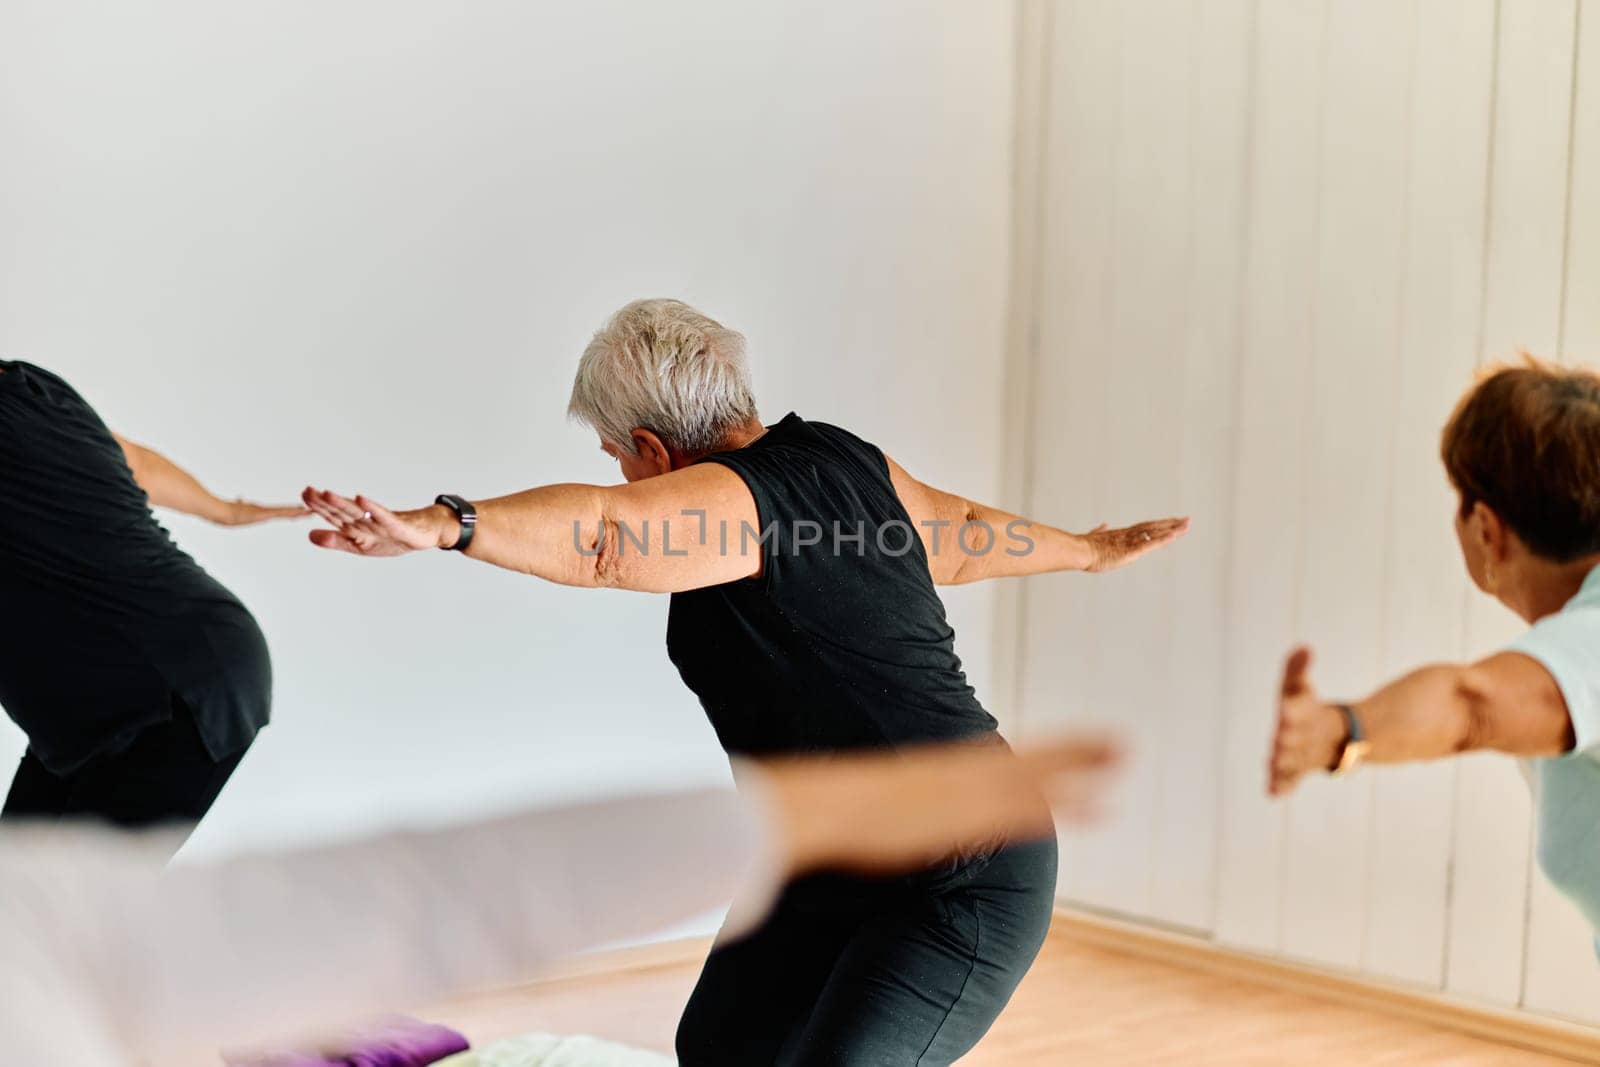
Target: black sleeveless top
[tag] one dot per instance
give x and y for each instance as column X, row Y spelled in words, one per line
column 103, row 619
column 841, row 642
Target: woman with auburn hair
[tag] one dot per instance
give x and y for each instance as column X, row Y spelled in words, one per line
column 1523, row 451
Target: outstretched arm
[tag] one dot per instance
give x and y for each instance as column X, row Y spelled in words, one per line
column 967, row 541
column 684, row 530
column 218, row 953
column 170, row 486
column 1507, row 703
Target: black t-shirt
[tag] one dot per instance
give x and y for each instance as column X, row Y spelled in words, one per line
column 103, row 619
column 841, row 642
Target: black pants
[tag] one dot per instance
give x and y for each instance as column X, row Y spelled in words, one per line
column 163, row 776
column 901, row 977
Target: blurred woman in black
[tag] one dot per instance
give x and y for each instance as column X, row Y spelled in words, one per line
column 139, row 680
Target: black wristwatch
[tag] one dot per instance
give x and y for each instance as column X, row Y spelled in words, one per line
column 468, row 516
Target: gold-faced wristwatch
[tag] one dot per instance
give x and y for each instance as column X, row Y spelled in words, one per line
column 1353, row 752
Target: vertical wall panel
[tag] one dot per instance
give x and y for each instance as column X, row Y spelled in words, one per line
column 1143, row 402
column 1030, row 116
column 1354, row 345
column 1562, row 976
column 1581, row 329
column 1191, row 721
column 1425, row 585
column 1268, row 512
column 1075, row 346
column 1526, row 241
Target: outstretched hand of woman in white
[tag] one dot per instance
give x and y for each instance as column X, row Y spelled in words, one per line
column 1309, row 731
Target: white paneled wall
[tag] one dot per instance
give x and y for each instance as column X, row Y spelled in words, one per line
column 1522, row 308
column 1258, row 605
column 1425, row 590
column 1060, row 668
column 1187, row 761
column 1261, row 247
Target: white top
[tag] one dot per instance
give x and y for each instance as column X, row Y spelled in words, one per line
column 1567, row 788
column 108, row 960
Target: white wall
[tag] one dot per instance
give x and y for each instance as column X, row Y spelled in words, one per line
column 1270, row 241
column 361, row 244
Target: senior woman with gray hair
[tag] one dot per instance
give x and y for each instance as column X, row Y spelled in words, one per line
column 802, row 563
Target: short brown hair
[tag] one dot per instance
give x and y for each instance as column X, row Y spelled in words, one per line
column 1525, row 440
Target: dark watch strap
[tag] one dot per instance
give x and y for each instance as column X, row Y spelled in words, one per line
column 1352, row 732
column 466, row 513
column 1352, row 725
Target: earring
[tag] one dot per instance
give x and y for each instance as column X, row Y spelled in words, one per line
column 1490, row 579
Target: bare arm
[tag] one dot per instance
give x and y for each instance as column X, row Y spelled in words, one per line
column 967, row 541
column 678, row 531
column 218, row 953
column 170, row 486
column 885, row 812
column 1507, row 703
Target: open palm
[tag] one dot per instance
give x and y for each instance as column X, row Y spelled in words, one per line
column 1118, row 548
column 364, row 527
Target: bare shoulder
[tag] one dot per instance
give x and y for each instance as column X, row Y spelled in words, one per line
column 704, row 487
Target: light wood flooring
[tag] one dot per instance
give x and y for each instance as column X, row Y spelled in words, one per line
column 1081, row 1004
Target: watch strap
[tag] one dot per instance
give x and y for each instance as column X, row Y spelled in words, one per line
column 466, row 513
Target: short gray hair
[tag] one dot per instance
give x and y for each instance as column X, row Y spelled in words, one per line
column 661, row 365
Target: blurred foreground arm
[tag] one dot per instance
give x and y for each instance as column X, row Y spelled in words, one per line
column 126, row 959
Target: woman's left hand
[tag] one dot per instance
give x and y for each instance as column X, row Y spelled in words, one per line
column 248, row 513
column 1110, row 549
column 1309, row 731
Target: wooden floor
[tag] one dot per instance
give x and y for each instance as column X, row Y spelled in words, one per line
column 1080, row 1005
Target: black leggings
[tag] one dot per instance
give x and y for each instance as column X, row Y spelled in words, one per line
column 874, row 977
column 164, row 776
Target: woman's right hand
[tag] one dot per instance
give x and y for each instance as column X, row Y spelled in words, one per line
column 363, row 527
